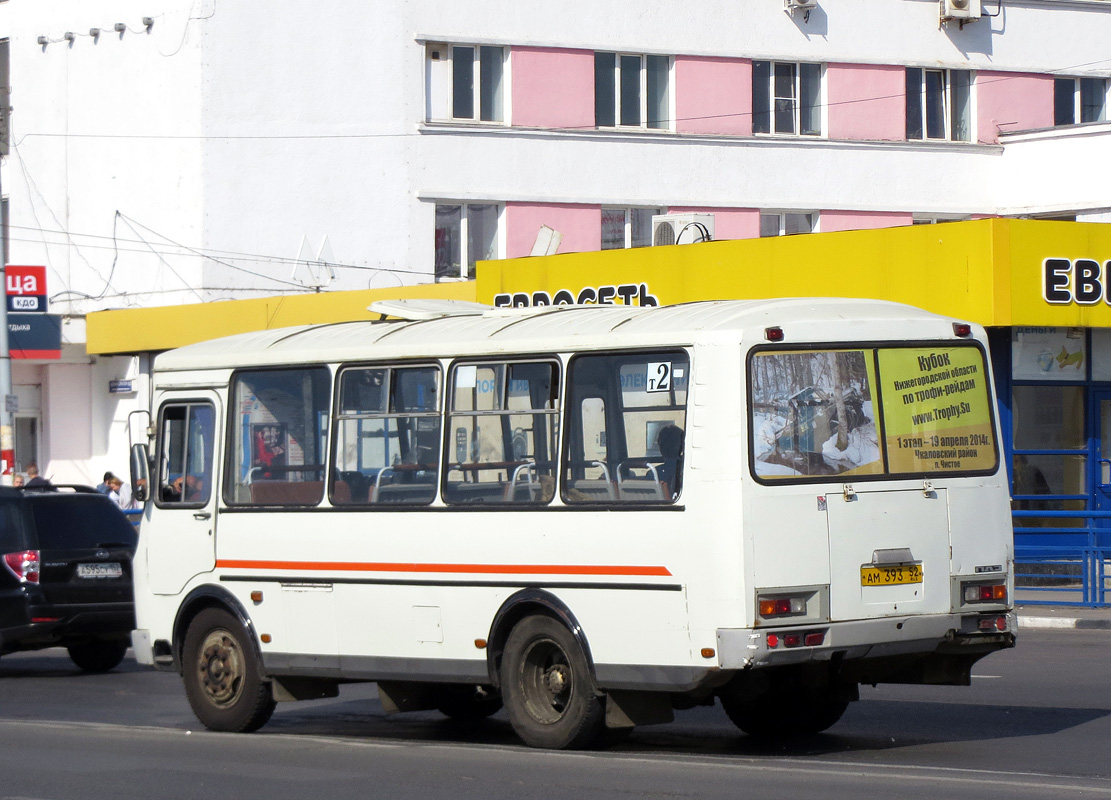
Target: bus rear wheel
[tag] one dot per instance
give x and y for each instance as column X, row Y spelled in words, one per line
column 99, row 655
column 779, row 715
column 547, row 687
column 222, row 675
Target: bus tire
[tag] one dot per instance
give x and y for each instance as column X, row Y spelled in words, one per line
column 222, row 675
column 98, row 655
column 548, row 688
column 779, row 715
column 468, row 702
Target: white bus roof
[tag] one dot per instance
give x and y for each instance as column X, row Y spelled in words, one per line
column 471, row 329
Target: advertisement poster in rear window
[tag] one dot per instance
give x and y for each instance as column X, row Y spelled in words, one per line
column 937, row 410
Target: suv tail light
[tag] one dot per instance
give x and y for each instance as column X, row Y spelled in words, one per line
column 24, row 565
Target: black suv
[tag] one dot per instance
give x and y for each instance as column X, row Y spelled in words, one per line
column 65, row 574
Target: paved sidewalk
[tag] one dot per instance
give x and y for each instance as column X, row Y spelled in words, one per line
column 1033, row 617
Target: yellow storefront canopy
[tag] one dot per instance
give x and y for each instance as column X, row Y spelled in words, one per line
column 996, row 272
column 141, row 330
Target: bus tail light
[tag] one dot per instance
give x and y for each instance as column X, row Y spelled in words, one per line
column 988, row 623
column 24, row 565
column 781, row 606
column 962, row 329
column 985, row 593
column 796, row 639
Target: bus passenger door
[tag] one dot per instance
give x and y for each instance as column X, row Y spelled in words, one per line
column 181, row 533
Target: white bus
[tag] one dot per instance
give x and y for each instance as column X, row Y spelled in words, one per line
column 593, row 515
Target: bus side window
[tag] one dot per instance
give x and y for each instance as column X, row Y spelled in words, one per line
column 387, row 436
column 185, row 454
column 279, row 436
column 504, row 418
column 625, row 435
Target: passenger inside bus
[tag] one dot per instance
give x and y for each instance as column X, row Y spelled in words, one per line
column 669, row 441
column 185, row 488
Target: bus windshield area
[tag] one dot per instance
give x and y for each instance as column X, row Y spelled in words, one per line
column 873, row 411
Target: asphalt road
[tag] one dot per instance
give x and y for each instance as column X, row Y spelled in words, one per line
column 1035, row 723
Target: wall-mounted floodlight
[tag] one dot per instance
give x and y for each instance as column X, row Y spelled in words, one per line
column 69, row 36
column 43, row 40
column 119, row 27
column 94, row 32
column 148, row 22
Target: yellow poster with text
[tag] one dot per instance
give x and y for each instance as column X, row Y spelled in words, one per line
column 936, row 409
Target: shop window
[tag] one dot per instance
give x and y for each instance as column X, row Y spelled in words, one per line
column 466, row 233
column 939, row 104
column 1079, row 100
column 627, row 227
column 1049, row 354
column 786, row 98
column 1048, row 417
column 632, row 91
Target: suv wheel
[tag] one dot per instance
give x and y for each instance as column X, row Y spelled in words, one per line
column 99, row 655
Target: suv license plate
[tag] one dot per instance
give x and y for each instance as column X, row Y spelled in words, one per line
column 110, row 570
column 890, row 576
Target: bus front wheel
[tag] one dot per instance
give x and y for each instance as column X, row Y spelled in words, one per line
column 547, row 687
column 222, row 675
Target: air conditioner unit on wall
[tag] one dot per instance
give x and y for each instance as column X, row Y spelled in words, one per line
column 960, row 9
column 803, row 5
column 682, row 228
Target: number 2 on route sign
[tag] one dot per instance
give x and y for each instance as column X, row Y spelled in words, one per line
column 659, row 376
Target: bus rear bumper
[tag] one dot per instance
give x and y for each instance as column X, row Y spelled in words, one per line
column 964, row 638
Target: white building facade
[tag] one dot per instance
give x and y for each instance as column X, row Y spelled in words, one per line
column 194, row 151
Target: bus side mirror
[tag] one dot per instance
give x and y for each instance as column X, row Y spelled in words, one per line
column 140, row 472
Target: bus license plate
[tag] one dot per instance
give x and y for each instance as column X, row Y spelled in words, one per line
column 110, row 570
column 890, row 576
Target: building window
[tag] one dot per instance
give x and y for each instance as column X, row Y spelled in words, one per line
column 470, row 225
column 627, row 227
column 632, row 91
column 5, row 95
column 939, row 104
column 786, row 98
column 466, row 82
column 934, row 219
column 1079, row 100
column 774, row 223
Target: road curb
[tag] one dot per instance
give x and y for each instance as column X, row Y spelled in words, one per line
column 1063, row 623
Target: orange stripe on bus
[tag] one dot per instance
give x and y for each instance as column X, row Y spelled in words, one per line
column 470, row 569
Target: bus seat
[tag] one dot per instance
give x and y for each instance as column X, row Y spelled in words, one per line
column 287, row 493
column 341, row 493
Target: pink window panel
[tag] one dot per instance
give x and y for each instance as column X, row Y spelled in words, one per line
column 552, row 88
column 866, row 102
column 713, row 95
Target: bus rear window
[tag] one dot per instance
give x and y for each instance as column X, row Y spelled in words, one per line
column 871, row 411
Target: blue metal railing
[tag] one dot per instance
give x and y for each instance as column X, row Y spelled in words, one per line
column 1065, row 566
